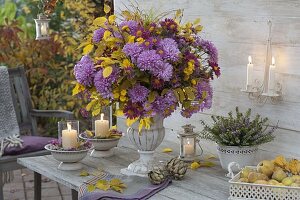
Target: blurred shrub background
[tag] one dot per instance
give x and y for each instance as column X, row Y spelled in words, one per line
column 48, row 63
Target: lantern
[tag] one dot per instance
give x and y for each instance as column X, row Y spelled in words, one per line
column 68, row 133
column 42, row 27
column 188, row 143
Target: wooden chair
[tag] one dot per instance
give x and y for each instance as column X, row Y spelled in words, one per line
column 26, row 117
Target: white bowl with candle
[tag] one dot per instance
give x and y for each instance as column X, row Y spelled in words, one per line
column 69, row 160
column 103, row 147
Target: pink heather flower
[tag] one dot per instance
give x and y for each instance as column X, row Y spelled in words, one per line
column 138, row 93
column 84, row 71
column 98, row 35
column 169, row 49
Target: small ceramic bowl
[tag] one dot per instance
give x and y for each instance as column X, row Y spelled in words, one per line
column 69, row 159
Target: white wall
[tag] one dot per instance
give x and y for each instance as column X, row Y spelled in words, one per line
column 239, row 28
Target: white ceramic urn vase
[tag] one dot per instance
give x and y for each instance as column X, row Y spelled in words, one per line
column 146, row 142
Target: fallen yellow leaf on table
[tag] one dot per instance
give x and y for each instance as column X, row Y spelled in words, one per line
column 207, row 164
column 84, row 173
column 91, row 188
column 195, row 165
column 208, row 157
column 102, row 185
column 167, row 150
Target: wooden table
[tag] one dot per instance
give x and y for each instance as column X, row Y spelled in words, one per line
column 200, row 184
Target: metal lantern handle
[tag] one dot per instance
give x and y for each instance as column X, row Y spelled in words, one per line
column 201, row 150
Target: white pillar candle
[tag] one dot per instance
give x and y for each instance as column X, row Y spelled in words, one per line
column 249, row 73
column 188, row 148
column 102, row 127
column 44, row 29
column 69, row 138
column 271, row 83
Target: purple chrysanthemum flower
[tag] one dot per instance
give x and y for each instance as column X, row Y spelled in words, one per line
column 164, row 71
column 164, row 105
column 131, row 25
column 104, row 85
column 209, row 48
column 170, row 25
column 132, row 50
column 169, row 49
column 204, row 86
column 84, row 71
column 148, row 60
column 84, row 113
column 98, row 35
column 138, row 93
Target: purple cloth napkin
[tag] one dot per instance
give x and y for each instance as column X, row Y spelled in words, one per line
column 30, row 144
column 142, row 194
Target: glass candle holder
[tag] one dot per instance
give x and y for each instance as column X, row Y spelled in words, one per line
column 68, row 133
column 102, row 123
column 42, row 27
column 188, row 141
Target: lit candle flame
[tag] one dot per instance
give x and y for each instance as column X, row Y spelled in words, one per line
column 102, row 116
column 273, row 60
column 69, row 126
column 250, row 59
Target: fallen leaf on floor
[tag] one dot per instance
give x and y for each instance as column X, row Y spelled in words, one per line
column 167, row 150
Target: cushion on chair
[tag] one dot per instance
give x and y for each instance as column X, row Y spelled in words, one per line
column 30, row 144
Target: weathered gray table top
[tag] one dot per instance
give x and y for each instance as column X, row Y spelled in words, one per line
column 200, row 184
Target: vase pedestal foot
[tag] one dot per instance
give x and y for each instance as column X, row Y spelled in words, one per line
column 102, row 154
column 142, row 166
column 69, row 166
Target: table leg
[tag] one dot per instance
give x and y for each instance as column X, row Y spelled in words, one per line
column 1, row 186
column 74, row 195
column 37, row 186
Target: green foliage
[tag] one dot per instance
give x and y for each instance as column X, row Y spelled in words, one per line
column 238, row 129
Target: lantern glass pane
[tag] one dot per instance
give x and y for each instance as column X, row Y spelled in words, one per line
column 187, row 147
column 68, row 133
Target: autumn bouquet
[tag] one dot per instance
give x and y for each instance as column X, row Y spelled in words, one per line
column 147, row 63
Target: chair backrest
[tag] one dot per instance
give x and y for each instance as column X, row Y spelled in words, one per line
column 21, row 100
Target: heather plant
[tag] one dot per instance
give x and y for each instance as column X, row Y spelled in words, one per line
column 238, row 129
